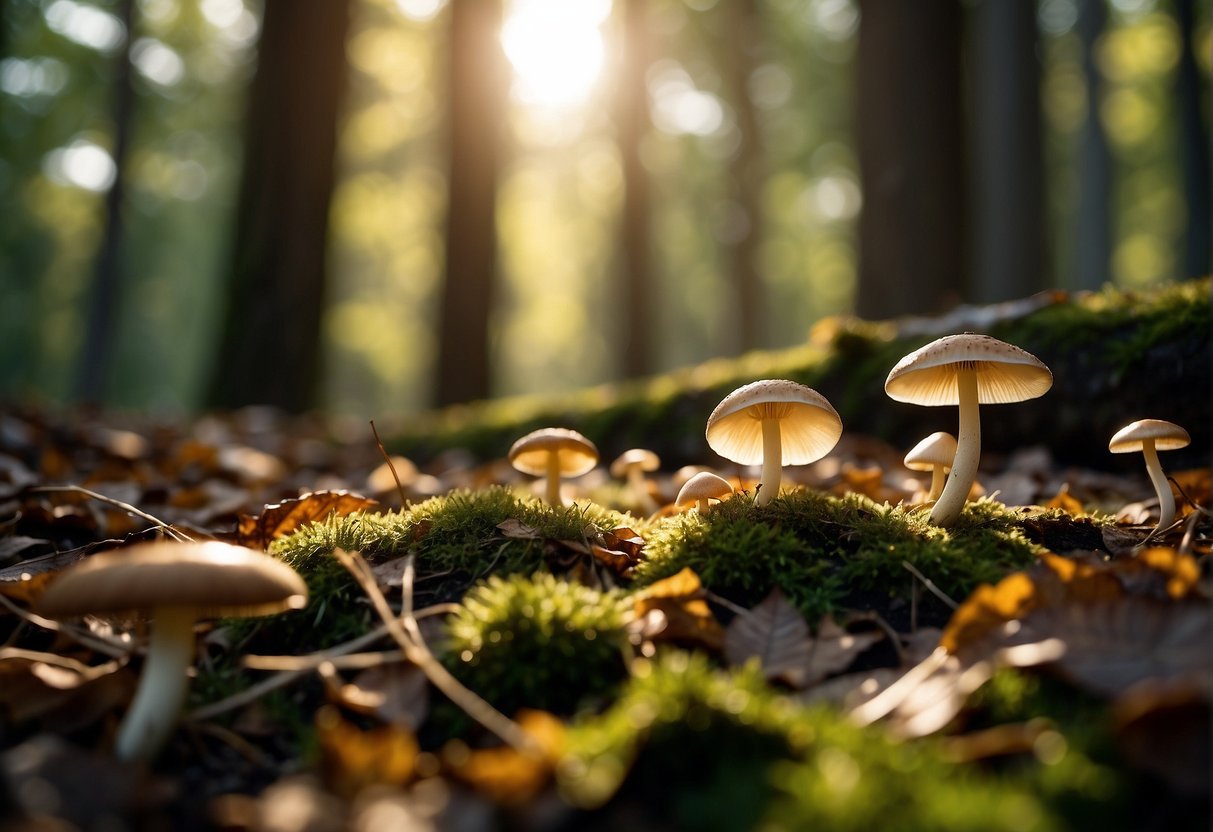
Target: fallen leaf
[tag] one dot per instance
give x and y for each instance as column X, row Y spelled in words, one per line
column 396, row 693
column 834, row 649
column 352, row 758
column 283, row 518
column 775, row 633
column 517, row 530
column 1064, row 501
column 674, row 609
column 505, row 774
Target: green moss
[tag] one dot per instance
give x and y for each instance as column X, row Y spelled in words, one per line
column 538, row 642
column 453, row 538
column 827, row 553
column 696, row 748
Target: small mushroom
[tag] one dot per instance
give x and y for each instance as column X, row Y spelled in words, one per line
column 1151, row 436
column 179, row 583
column 702, row 488
column 774, row 422
column 966, row 370
column 554, row 453
column 934, row 454
column 632, row 465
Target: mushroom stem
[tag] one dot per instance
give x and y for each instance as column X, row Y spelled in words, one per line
column 938, row 473
column 772, row 461
column 639, row 491
column 968, row 451
column 150, row 719
column 552, row 492
column 703, row 504
column 1166, row 500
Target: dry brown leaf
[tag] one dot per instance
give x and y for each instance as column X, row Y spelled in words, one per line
column 505, row 774
column 58, row 693
column 352, row 758
column 25, row 581
column 850, row 690
column 517, row 530
column 1066, row 502
column 834, row 649
column 673, row 609
column 283, row 518
column 395, row 693
column 1164, row 728
column 775, row 633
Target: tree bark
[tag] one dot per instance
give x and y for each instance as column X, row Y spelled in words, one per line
column 98, row 348
column 912, row 228
column 1008, row 180
column 1191, row 95
column 746, row 176
column 631, row 125
column 477, row 95
column 271, row 348
column 1093, row 236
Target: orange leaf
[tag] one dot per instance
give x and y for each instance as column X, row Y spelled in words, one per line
column 281, row 519
column 352, row 759
column 505, row 774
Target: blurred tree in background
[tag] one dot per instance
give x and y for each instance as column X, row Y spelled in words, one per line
column 670, row 181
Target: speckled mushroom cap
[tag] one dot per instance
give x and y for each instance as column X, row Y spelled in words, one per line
column 641, row 458
column 577, row 454
column 809, row 425
column 1005, row 373
column 215, row 578
column 937, row 449
column 1167, row 436
column 703, row 486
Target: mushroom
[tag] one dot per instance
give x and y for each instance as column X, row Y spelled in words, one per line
column 966, row 370
column 631, row 465
column 553, row 453
column 179, row 583
column 934, row 454
column 1151, row 436
column 701, row 488
column 774, row 422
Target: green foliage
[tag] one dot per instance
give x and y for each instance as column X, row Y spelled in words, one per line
column 827, row 552
column 704, row 749
column 538, row 642
column 453, row 538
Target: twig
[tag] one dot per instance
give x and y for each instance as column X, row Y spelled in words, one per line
column 893, row 636
column 391, row 467
column 408, row 635
column 78, row 489
column 930, row 585
column 724, row 602
column 1190, row 529
column 113, row 649
column 87, row 672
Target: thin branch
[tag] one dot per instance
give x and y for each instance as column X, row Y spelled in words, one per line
column 127, row 507
column 408, row 635
column 391, row 467
column 112, row 648
column 930, row 585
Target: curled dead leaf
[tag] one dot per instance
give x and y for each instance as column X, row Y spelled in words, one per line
column 281, row 519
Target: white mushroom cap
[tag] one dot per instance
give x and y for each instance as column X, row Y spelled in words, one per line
column 703, row 486
column 641, row 458
column 937, row 449
column 577, row 455
column 216, row 579
column 1167, row 436
column 809, row 425
column 1005, row 373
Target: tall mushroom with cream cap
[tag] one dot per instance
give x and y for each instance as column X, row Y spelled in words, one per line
column 553, row 453
column 966, row 370
column 1151, row 436
column 179, row 583
column 774, row 422
column 934, row 454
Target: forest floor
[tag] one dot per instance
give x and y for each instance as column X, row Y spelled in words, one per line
column 645, row 686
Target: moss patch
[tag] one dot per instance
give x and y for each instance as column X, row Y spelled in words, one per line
column 828, row 553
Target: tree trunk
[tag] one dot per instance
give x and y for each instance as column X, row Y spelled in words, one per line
column 98, row 348
column 1008, row 180
column 271, row 348
column 631, row 125
column 1191, row 95
column 911, row 229
column 477, row 95
column 1093, row 236
column 746, row 178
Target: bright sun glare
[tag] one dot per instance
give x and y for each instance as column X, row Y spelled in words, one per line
column 556, row 49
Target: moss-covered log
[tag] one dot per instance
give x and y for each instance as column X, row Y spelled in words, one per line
column 1115, row 356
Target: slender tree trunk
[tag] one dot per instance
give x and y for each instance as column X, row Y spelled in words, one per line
column 271, row 348
column 746, row 177
column 98, row 348
column 1192, row 94
column 1008, row 181
column 477, row 100
column 912, row 229
column 1093, row 236
column 631, row 125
